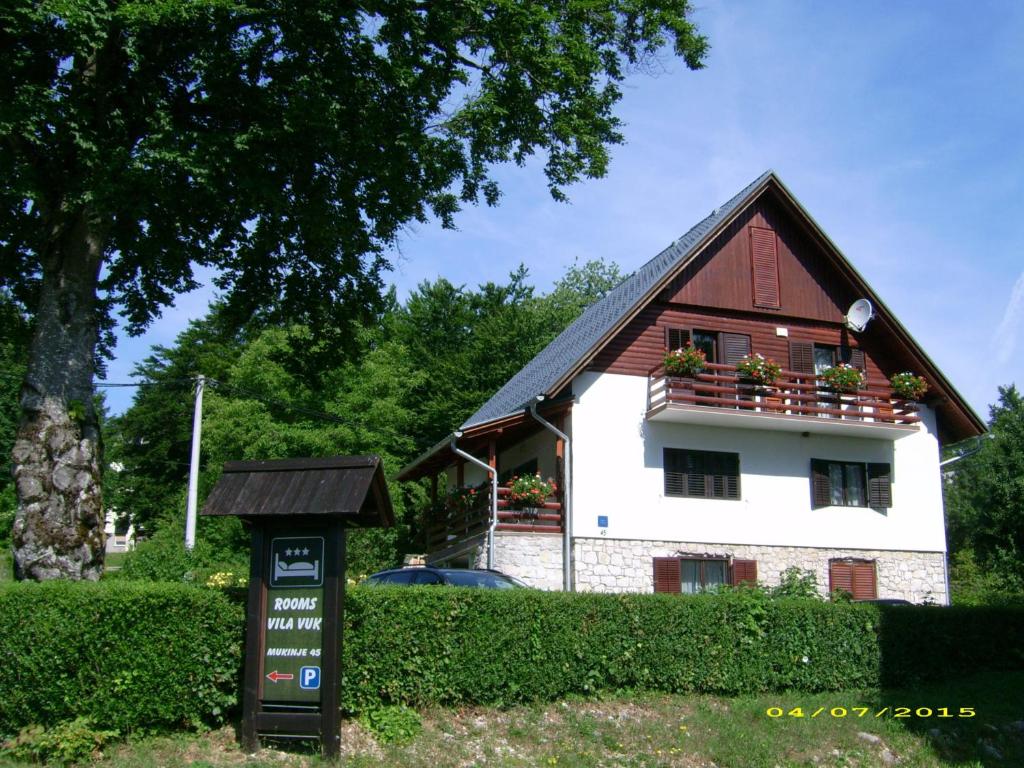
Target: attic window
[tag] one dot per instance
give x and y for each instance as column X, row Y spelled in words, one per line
column 764, row 267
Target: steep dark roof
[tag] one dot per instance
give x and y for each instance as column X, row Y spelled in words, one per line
column 566, row 351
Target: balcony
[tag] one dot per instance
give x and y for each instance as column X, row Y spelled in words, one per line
column 796, row 403
column 447, row 528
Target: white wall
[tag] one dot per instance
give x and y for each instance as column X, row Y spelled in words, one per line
column 540, row 446
column 618, row 472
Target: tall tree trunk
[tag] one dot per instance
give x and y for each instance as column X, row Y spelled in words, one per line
column 58, row 530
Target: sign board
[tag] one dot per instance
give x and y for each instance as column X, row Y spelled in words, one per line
column 298, row 511
column 293, row 631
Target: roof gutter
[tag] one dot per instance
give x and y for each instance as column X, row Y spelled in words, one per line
column 566, row 495
column 493, row 472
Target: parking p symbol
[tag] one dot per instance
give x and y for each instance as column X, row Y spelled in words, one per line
column 309, row 678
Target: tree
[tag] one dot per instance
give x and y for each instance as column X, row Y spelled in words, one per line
column 284, row 144
column 985, row 501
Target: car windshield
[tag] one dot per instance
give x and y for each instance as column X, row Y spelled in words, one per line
column 480, row 579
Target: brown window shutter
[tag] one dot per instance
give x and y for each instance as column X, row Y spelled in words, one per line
column 854, row 357
column 764, row 260
column 840, row 576
column 879, row 486
column 864, row 581
column 667, row 574
column 744, row 572
column 801, row 356
column 734, row 347
column 821, row 485
column 676, row 338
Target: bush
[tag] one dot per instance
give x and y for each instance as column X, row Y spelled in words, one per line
column 428, row 646
column 127, row 656
column 164, row 558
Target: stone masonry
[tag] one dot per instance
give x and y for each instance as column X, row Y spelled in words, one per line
column 535, row 558
column 616, row 565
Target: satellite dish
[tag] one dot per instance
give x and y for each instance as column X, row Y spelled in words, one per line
column 858, row 315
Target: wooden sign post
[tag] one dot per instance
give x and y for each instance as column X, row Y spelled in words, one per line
column 298, row 511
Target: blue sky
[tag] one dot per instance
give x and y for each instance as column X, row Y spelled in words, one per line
column 898, row 125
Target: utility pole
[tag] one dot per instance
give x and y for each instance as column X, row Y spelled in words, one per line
column 193, row 469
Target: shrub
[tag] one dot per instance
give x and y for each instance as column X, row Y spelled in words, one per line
column 148, row 656
column 685, row 361
column 843, row 378
column 908, row 386
column 69, row 742
column 529, row 491
column 759, row 369
column 129, row 656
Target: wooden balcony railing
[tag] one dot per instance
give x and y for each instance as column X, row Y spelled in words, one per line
column 449, row 526
column 793, row 394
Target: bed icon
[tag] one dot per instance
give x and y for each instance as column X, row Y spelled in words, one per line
column 297, row 562
column 296, row 570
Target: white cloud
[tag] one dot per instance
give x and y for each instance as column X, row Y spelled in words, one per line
column 1005, row 338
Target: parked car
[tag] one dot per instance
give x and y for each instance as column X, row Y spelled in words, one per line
column 453, row 577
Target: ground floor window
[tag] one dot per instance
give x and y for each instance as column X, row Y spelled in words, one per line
column 855, row 577
column 692, row 575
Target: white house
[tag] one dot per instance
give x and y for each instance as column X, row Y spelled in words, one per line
column 679, row 483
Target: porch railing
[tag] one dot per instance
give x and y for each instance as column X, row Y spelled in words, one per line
column 792, row 394
column 449, row 525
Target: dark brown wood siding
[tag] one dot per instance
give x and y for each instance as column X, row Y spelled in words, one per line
column 641, row 345
column 722, row 276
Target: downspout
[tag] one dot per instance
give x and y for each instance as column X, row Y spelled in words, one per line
column 566, row 494
column 493, row 472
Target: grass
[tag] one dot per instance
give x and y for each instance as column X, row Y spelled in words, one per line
column 651, row 731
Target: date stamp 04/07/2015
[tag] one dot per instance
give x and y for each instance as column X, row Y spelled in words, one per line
column 896, row 712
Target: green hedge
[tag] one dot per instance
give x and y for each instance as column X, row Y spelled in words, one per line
column 418, row 646
column 126, row 656
column 132, row 656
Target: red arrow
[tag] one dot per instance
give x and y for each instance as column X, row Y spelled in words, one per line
column 275, row 676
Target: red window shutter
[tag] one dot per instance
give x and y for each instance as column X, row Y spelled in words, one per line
column 864, row 581
column 821, row 484
column 854, row 357
column 801, row 357
column 667, row 574
column 744, row 572
column 840, row 576
column 676, row 338
column 764, row 260
column 734, row 346
column 879, row 486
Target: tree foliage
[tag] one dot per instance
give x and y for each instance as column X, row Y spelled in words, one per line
column 985, row 504
column 284, row 145
column 419, row 371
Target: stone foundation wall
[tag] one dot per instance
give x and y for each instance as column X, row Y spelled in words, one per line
column 617, row 565
column 535, row 558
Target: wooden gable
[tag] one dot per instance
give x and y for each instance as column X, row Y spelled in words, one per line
column 764, row 262
column 727, row 288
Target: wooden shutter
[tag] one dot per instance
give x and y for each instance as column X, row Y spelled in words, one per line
column 734, row 347
column 744, row 572
column 764, row 260
column 857, row 577
column 854, row 357
column 801, row 356
column 667, row 574
column 840, row 576
column 864, row 581
column 821, row 484
column 676, row 338
column 879, row 486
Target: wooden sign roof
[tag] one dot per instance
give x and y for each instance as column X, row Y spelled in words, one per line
column 347, row 487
